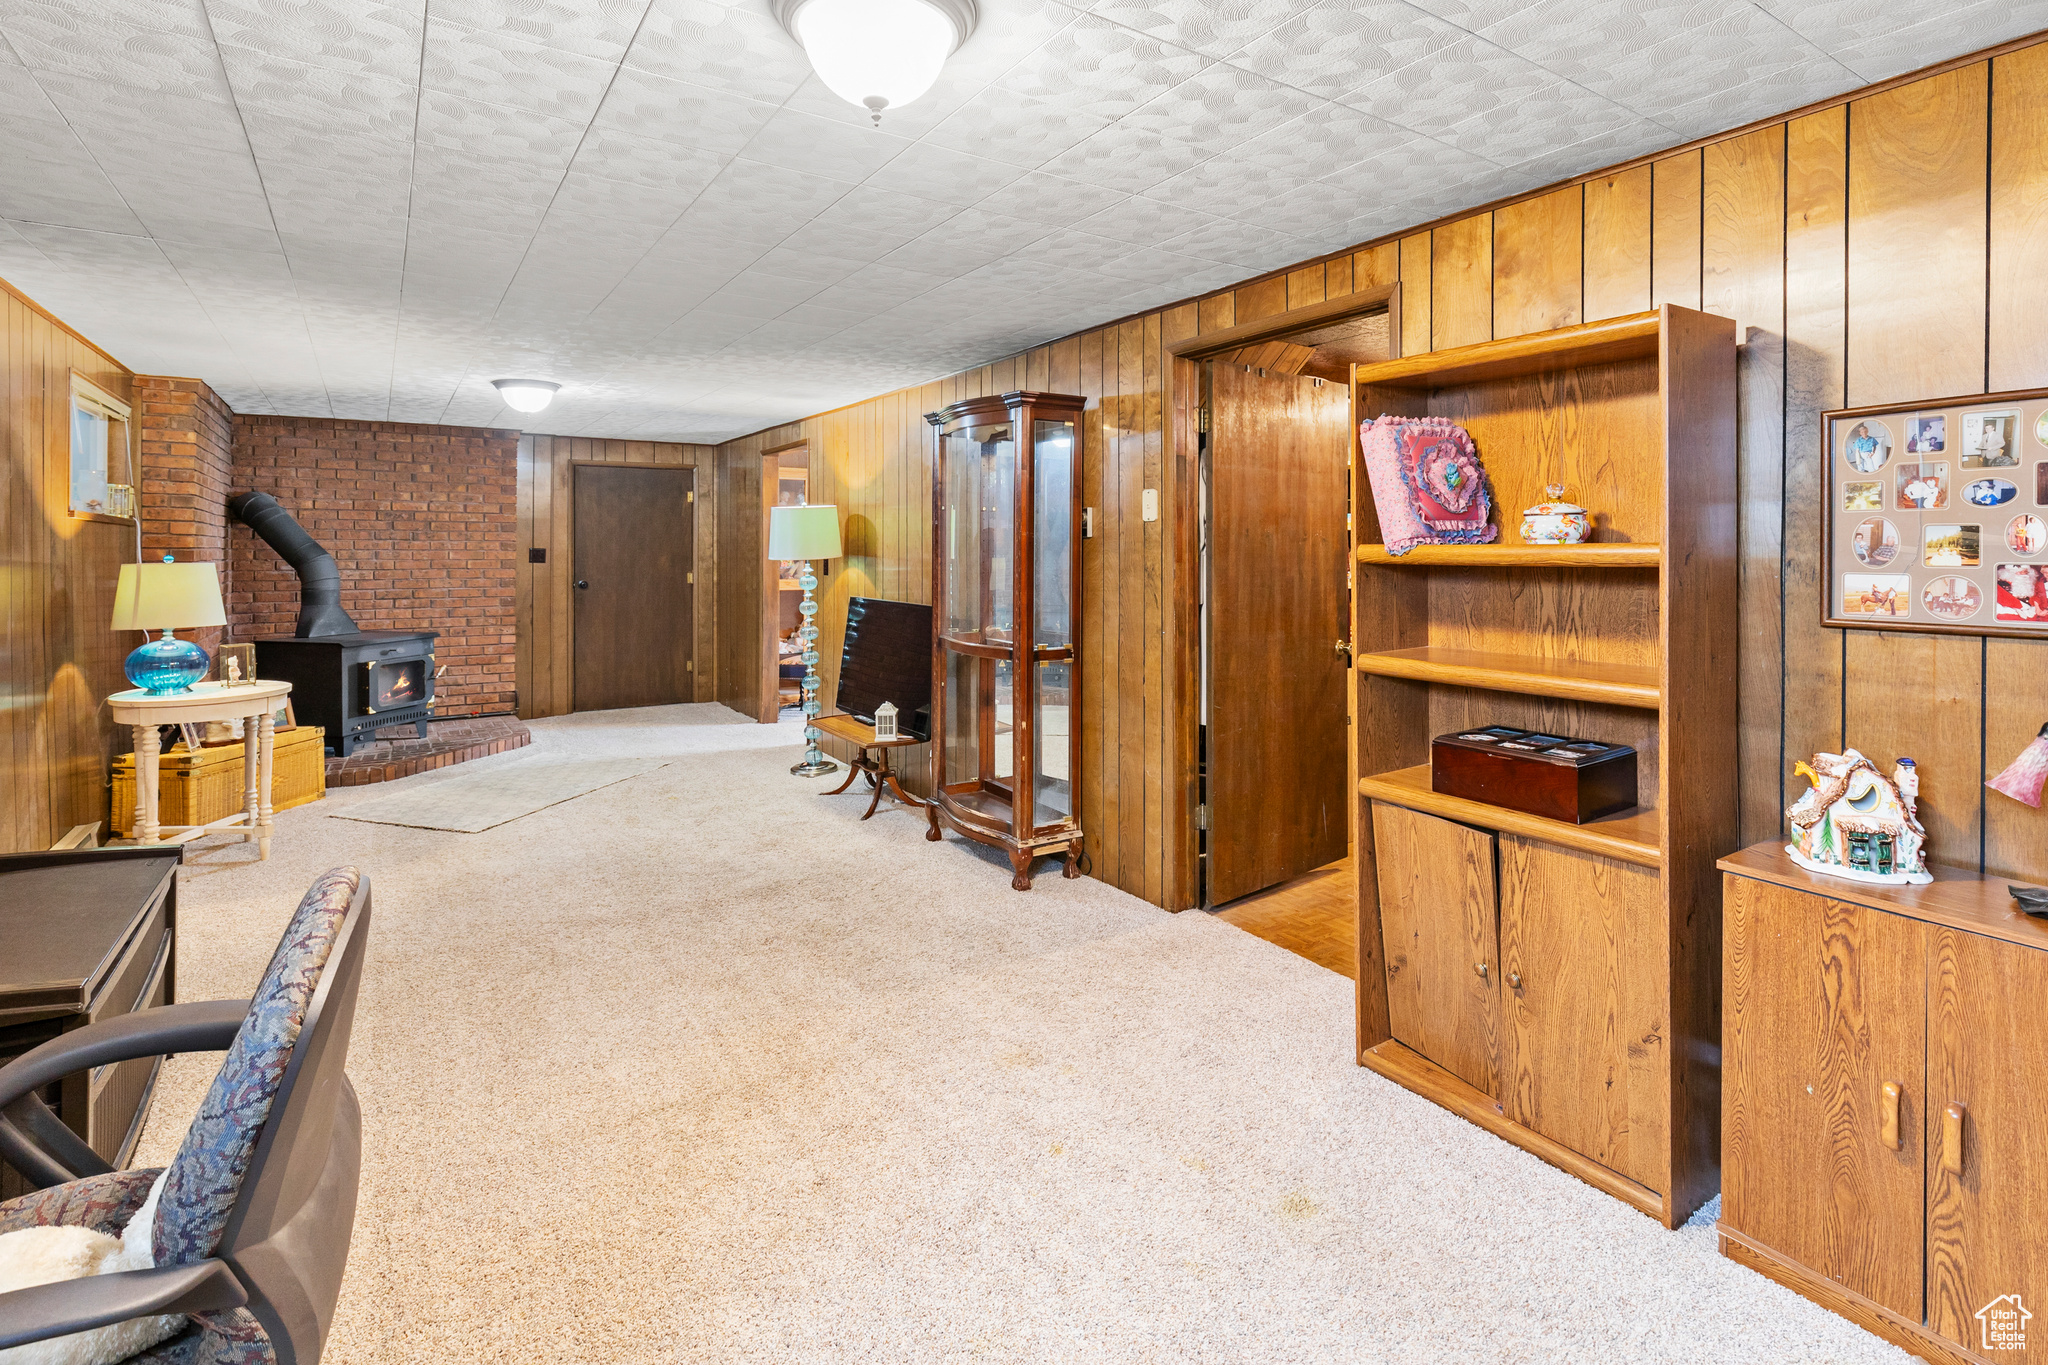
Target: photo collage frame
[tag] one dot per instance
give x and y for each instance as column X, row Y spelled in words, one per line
column 1937, row 516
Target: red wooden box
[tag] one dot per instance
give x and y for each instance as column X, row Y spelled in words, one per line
column 1555, row 776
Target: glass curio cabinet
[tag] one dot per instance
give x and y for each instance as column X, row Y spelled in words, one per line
column 1006, row 576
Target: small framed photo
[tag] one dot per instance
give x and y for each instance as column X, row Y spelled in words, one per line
column 194, row 737
column 1867, row 495
column 243, row 655
column 1923, row 487
column 1868, row 447
column 1952, row 598
column 1989, row 492
column 1889, row 595
column 2041, row 483
column 1875, row 542
column 1926, row 435
column 2022, row 592
column 1990, row 440
column 2026, row 534
column 282, row 719
column 1952, row 546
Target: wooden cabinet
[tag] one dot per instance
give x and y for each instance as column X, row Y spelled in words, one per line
column 1600, row 1024
column 87, row 936
column 1885, row 1138
column 1437, row 912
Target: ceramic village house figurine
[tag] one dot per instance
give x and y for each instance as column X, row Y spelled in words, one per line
column 1855, row 822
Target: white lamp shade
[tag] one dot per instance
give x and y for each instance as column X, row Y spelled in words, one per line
column 168, row 597
column 803, row 532
column 525, row 395
column 880, row 54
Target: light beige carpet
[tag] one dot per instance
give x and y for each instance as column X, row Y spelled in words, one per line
column 699, row 1067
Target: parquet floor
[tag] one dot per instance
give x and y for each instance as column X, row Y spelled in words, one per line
column 1314, row 915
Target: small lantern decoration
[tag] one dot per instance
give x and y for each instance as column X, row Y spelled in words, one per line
column 1856, row 822
column 1555, row 522
column 885, row 720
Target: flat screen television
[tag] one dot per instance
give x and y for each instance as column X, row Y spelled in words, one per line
column 888, row 657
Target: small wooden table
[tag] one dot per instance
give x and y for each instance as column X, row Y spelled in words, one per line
column 873, row 759
column 252, row 703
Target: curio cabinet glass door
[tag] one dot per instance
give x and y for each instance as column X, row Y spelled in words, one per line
column 1006, row 574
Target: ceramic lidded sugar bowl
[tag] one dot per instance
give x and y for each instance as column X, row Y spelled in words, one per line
column 1555, row 522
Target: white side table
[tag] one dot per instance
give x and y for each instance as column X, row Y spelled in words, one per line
column 252, row 703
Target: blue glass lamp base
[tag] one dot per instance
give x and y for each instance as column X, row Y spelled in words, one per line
column 167, row 665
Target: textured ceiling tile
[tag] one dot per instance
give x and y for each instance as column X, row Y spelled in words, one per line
column 343, row 35
column 1123, row 157
column 1234, row 243
column 738, row 50
column 1015, row 128
column 1777, row 90
column 1236, row 177
column 1092, row 66
column 1539, row 121
column 585, row 195
column 1407, row 161
column 108, row 115
column 498, row 69
column 1153, row 265
column 913, row 120
column 869, row 209
column 1312, row 212
column 1468, row 78
column 1219, row 107
column 75, row 42
column 1143, row 222
column 278, row 91
column 186, row 18
column 594, row 28
column 1215, row 28
column 85, row 202
column 1049, row 199
column 1070, row 249
column 1339, row 46
column 1473, row 15
column 647, row 161
column 838, row 151
column 939, row 173
column 493, row 134
column 651, row 106
column 1960, row 28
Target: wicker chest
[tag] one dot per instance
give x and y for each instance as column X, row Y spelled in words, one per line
column 194, row 788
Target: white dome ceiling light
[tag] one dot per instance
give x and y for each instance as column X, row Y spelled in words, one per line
column 878, row 54
column 525, row 395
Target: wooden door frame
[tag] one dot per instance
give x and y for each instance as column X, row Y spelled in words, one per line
column 1183, row 567
column 695, row 559
column 770, row 623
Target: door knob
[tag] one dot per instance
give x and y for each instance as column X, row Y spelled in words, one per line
column 582, row 582
column 1344, row 649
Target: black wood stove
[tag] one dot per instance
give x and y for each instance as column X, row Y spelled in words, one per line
column 349, row 681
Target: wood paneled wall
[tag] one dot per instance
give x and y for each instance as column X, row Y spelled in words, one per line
column 58, row 659
column 1890, row 246
column 545, row 593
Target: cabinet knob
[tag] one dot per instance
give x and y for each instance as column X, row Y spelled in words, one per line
column 1515, row 980
column 582, row 582
column 1888, row 1114
column 1952, row 1138
column 1479, row 967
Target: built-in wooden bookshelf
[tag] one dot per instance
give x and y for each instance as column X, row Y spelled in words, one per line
column 1586, row 1022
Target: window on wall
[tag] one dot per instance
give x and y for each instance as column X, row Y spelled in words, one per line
column 102, row 460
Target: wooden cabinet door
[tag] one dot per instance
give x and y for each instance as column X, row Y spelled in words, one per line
column 1437, row 920
column 1585, row 1026
column 1823, row 1005
column 1987, row 1195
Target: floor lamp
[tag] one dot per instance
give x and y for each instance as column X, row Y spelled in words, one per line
column 805, row 534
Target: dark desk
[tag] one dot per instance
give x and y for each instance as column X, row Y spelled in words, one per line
column 87, row 935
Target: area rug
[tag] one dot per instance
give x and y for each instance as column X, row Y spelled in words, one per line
column 476, row 801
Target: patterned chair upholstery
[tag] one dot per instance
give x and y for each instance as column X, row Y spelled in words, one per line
column 207, row 1173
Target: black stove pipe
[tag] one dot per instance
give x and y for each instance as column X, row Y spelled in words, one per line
column 320, row 611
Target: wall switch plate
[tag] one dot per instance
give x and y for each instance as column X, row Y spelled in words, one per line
column 536, row 555
column 1150, row 503
column 1087, row 523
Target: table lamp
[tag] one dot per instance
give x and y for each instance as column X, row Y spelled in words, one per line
column 807, row 533
column 168, row 596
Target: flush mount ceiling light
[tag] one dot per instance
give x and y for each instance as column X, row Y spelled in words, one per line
column 525, row 395
column 878, row 54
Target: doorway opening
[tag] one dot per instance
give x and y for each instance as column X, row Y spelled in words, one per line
column 1275, row 486
column 785, row 482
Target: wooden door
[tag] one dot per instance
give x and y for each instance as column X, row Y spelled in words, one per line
column 1585, row 1026
column 635, row 543
column 1987, row 1174
column 1438, row 922
column 1279, row 454
column 1824, row 1006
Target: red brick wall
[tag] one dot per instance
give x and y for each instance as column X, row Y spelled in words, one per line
column 421, row 521
column 186, row 435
